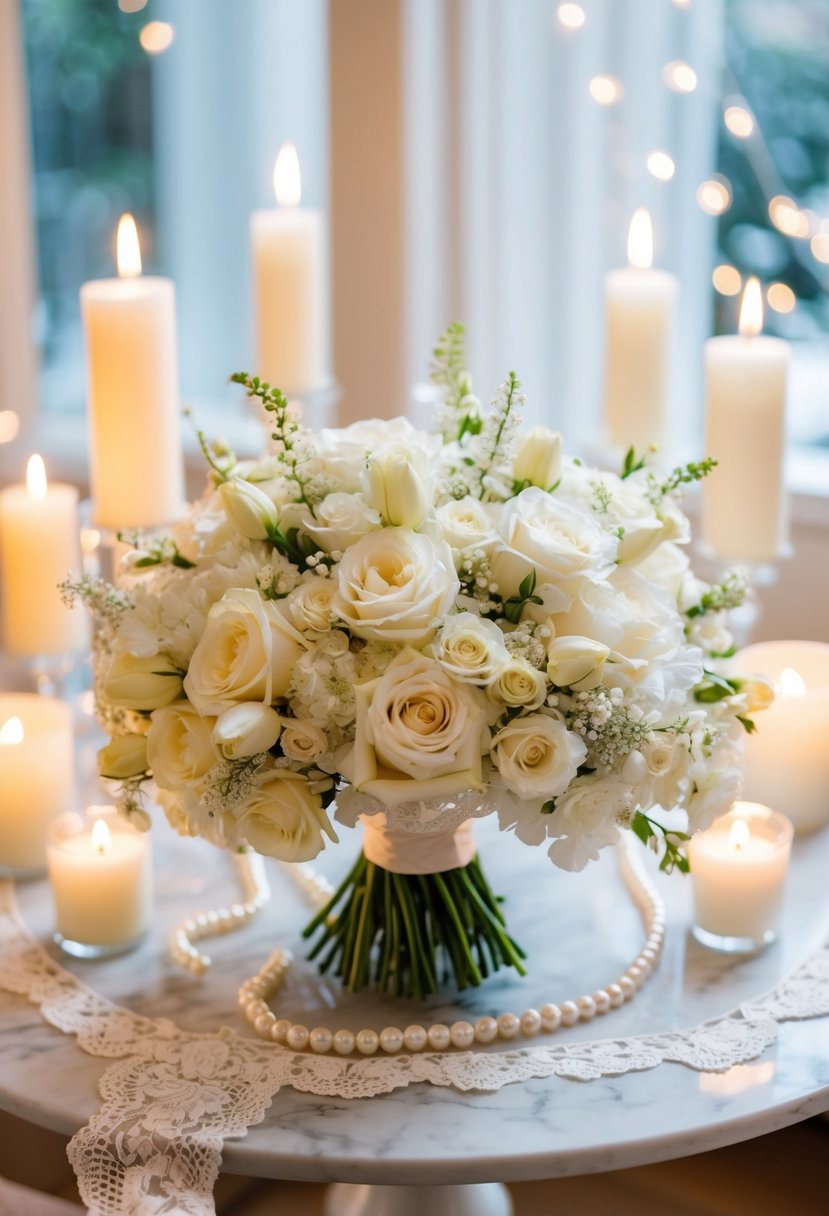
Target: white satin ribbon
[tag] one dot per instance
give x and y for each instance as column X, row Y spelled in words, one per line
column 403, row 852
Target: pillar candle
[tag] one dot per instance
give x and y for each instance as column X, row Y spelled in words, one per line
column 36, row 776
column 134, row 427
column 290, row 289
column 39, row 546
column 787, row 758
column 745, row 388
column 639, row 302
column 102, row 883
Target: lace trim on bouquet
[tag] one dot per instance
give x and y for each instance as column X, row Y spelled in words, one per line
column 172, row 1097
column 427, row 818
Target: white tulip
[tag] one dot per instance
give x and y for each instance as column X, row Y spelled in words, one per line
column 396, row 488
column 538, row 460
column 123, row 757
column 576, row 662
column 248, row 508
column 142, row 683
column 246, row 730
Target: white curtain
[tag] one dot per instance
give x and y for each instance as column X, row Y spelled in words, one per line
column 521, row 187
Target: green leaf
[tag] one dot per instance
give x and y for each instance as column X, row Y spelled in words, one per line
column 749, row 725
column 641, row 827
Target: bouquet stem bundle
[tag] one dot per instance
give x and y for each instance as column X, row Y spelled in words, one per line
column 404, row 934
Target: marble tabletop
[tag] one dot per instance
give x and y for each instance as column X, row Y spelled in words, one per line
column 580, row 931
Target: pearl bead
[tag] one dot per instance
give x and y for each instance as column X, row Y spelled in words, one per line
column 508, row 1025
column 485, row 1030
column 415, row 1038
column 201, row 920
column 344, row 1042
column 391, row 1039
column 550, row 1017
column 617, row 996
column 462, row 1034
column 297, row 1037
column 601, row 999
column 649, row 954
column 237, row 911
column 587, row 1008
column 635, row 974
column 367, row 1042
column 212, row 918
column 645, row 966
column 627, row 985
column 189, row 926
column 279, row 1031
column 263, row 1024
column 320, row 1040
column 439, row 1036
column 569, row 1013
column 530, row 1022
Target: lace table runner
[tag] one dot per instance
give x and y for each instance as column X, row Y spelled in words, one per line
column 172, row 1097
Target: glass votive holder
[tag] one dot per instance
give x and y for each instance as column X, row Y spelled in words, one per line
column 738, row 870
column 100, row 869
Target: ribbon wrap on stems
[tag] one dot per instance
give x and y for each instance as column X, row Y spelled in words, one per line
column 403, row 852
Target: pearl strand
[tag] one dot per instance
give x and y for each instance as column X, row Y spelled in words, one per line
column 255, row 993
column 250, row 871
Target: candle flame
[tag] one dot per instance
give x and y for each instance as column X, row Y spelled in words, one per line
column 128, row 251
column 287, row 182
column 101, row 839
column 640, row 239
column 739, row 836
column 36, row 477
column 751, row 309
column 11, row 731
column 791, row 683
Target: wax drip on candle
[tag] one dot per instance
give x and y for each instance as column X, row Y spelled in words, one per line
column 11, row 731
column 287, row 181
column 101, row 839
column 791, row 683
column 640, row 239
column 751, row 309
column 128, row 250
column 739, row 836
column 36, row 477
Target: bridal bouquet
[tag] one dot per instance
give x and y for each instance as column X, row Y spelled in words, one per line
column 426, row 628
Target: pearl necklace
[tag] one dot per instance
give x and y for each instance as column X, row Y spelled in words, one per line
column 256, row 892
column 256, row 991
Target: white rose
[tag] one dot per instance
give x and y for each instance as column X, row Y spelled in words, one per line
column 248, row 508
column 342, row 452
column 180, row 746
column 394, row 585
column 471, row 648
column 465, row 524
column 562, row 542
column 142, row 683
column 247, row 653
column 303, row 741
column 668, row 567
column 576, row 662
column 586, row 818
column 311, row 605
column 123, row 757
column 518, row 684
column 659, row 755
column 340, row 520
column 418, row 734
column 285, row 818
column 396, row 486
column 246, row 730
column 537, row 756
column 538, row 459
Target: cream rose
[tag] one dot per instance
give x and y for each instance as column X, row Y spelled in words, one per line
column 310, row 605
column 471, row 648
column 340, row 520
column 142, row 683
column 418, row 734
column 284, row 818
column 561, row 541
column 247, row 653
column 537, row 756
column 342, row 451
column 303, row 741
column 393, row 585
column 246, row 730
column 123, row 757
column 518, row 685
column 180, row 746
column 465, row 523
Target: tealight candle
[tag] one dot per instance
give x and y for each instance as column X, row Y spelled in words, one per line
column 787, row 757
column 36, row 778
column 102, row 884
column 738, row 868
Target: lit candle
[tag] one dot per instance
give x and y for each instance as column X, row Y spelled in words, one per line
column 290, row 289
column 135, row 441
column 745, row 377
column 36, row 777
column 39, row 545
column 787, row 758
column 639, row 304
column 738, row 869
column 101, row 880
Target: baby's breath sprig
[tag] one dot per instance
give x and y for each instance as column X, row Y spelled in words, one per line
column 610, row 729
column 293, row 445
column 730, row 592
column 459, row 413
column 498, row 434
column 231, row 782
column 106, row 603
column 682, row 475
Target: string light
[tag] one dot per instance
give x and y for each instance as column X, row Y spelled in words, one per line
column 571, row 16
column 156, row 36
column 679, row 76
column 714, row 195
column 780, row 297
column 606, row 90
column 739, row 120
column 788, row 218
column 727, row 280
column 661, row 165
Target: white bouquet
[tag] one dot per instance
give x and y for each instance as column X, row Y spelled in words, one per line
column 428, row 628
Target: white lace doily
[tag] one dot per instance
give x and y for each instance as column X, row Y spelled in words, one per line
column 171, row 1097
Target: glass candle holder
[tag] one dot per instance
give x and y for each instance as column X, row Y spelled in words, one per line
column 37, row 775
column 738, row 870
column 100, row 869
